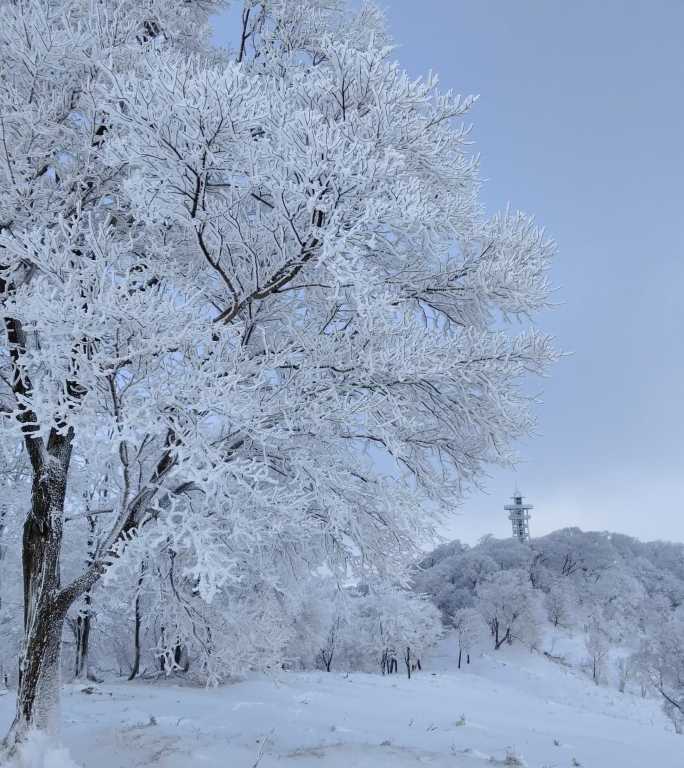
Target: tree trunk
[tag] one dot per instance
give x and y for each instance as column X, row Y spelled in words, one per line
column 138, row 623
column 83, row 641
column 38, row 695
column 460, row 652
column 38, row 692
column 3, row 514
column 505, row 639
column 162, row 657
column 84, row 618
column 44, row 605
column 136, row 640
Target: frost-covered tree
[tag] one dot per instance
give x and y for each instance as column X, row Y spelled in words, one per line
column 319, row 613
column 510, row 606
column 639, row 665
column 363, row 627
column 470, row 630
column 597, row 645
column 632, row 583
column 560, row 602
column 618, row 597
column 659, row 664
column 452, row 580
column 622, row 595
column 392, row 625
column 217, row 268
column 508, row 553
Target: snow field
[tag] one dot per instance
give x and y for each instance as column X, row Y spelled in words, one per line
column 509, row 708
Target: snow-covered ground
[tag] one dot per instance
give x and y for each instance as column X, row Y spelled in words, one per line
column 512, row 703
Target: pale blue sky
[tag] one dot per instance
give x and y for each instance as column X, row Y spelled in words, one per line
column 581, row 122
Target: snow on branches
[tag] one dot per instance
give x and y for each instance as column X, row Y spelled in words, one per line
column 251, row 301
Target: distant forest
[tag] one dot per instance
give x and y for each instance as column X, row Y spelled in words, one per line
column 626, row 596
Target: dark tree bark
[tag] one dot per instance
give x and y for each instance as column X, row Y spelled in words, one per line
column 388, row 663
column 327, row 653
column 326, row 656
column 507, row 638
column 407, row 660
column 83, row 640
column 162, row 657
column 84, row 618
column 135, row 669
column 45, row 606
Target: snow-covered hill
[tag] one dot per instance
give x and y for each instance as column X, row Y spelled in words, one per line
column 508, row 706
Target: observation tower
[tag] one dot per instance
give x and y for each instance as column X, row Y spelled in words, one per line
column 519, row 515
